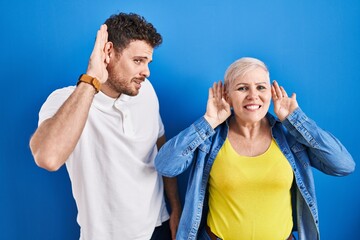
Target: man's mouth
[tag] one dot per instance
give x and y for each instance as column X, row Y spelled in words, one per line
column 138, row 82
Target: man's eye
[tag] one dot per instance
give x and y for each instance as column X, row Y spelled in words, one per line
column 137, row 61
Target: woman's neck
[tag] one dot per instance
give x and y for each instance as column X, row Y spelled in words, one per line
column 249, row 139
column 248, row 130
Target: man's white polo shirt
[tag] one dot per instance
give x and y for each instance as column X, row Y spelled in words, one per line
column 119, row 194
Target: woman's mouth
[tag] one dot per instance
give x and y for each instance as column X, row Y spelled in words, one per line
column 252, row 107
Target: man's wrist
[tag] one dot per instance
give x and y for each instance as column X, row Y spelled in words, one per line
column 93, row 81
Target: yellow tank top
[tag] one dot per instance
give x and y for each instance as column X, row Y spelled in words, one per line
column 250, row 196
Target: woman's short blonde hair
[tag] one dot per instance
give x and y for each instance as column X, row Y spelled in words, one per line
column 239, row 68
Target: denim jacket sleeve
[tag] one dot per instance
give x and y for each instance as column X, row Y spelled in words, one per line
column 177, row 154
column 326, row 152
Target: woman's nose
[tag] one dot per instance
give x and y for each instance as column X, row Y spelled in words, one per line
column 252, row 94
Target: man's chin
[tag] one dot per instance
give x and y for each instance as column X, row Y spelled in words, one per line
column 132, row 92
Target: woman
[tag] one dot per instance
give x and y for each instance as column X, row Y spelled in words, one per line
column 251, row 174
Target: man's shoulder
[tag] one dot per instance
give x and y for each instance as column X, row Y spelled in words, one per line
column 54, row 102
column 147, row 90
column 62, row 91
column 59, row 95
column 146, row 85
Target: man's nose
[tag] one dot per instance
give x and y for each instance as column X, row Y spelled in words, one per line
column 146, row 71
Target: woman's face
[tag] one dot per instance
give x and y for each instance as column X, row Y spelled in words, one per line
column 250, row 95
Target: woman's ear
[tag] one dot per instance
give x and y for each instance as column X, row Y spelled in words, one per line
column 109, row 47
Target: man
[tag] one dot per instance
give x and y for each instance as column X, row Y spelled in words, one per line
column 107, row 130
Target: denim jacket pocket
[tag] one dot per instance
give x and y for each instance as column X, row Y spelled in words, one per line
column 300, row 152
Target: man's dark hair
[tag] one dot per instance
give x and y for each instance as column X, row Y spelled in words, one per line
column 124, row 28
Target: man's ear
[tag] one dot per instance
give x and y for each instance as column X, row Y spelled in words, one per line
column 109, row 48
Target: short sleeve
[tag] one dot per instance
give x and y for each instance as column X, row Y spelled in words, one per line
column 54, row 101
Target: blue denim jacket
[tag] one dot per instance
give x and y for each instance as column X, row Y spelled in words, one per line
column 302, row 142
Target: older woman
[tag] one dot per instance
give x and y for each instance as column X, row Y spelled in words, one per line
column 251, row 174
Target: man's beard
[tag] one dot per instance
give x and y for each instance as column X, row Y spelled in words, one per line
column 121, row 86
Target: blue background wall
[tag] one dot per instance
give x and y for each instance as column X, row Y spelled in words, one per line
column 311, row 47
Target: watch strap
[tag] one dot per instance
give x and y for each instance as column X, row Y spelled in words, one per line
column 90, row 80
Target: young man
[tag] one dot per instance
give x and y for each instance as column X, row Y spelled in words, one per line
column 107, row 130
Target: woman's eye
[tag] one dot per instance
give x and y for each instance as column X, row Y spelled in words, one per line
column 242, row 88
column 261, row 87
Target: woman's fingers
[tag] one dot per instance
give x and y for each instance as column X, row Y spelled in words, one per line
column 273, row 92
column 283, row 92
column 220, row 90
column 278, row 91
column 211, row 93
column 215, row 89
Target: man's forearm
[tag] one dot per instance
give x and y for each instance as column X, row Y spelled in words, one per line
column 56, row 137
column 171, row 190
